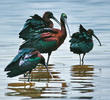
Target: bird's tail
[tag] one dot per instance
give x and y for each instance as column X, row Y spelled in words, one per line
column 15, row 62
column 17, row 71
column 11, row 65
column 12, row 68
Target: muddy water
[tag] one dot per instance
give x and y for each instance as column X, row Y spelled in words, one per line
column 70, row 81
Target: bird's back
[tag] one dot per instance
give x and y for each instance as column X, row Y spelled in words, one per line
column 81, row 43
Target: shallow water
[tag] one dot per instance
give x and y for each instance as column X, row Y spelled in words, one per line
column 70, row 81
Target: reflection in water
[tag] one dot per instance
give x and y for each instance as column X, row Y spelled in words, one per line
column 21, row 84
column 82, row 81
column 41, row 85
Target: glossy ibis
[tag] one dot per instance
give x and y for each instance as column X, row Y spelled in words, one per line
column 82, row 42
column 35, row 23
column 47, row 42
column 25, row 61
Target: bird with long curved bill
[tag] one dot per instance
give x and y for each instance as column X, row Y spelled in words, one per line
column 81, row 42
column 49, row 40
column 32, row 25
column 25, row 61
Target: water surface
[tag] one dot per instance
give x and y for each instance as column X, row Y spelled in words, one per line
column 71, row 81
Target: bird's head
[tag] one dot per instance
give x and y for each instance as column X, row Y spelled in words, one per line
column 91, row 33
column 63, row 17
column 49, row 15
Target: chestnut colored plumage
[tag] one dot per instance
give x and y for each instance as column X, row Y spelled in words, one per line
column 50, row 40
column 32, row 25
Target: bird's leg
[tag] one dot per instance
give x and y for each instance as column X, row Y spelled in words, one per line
column 80, row 58
column 48, row 57
column 25, row 80
column 29, row 76
column 83, row 58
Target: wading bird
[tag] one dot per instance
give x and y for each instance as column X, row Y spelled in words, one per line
column 35, row 23
column 82, row 42
column 25, row 61
column 47, row 42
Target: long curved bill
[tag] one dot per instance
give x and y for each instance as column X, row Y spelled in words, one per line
column 97, row 39
column 68, row 27
column 56, row 20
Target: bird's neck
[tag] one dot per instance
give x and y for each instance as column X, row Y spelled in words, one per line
column 63, row 28
column 62, row 34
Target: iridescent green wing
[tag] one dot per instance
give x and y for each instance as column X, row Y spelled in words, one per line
column 27, row 65
column 45, row 46
column 31, row 25
column 17, row 58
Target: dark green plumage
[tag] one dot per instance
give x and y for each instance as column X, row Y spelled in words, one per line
column 26, row 60
column 81, row 42
column 46, row 40
column 31, row 25
column 17, row 58
column 40, row 44
column 28, row 65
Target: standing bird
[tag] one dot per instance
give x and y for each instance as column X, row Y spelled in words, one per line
column 25, row 61
column 82, row 42
column 35, row 23
column 47, row 42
